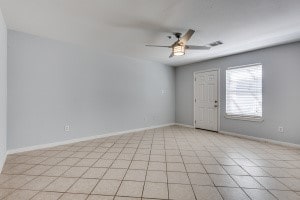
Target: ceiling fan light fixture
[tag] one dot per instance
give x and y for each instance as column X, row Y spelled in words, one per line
column 178, row 50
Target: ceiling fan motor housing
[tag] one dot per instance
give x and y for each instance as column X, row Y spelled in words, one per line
column 177, row 35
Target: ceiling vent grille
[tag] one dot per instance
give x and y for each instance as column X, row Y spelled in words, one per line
column 216, row 43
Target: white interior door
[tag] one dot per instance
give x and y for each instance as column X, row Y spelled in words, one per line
column 206, row 100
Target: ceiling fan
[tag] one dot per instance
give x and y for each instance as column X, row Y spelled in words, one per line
column 179, row 47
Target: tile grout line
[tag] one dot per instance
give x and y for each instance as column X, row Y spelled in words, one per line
column 127, row 170
column 147, row 166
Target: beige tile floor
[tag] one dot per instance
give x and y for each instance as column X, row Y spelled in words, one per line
column 166, row 163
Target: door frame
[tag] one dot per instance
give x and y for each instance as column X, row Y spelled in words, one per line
column 218, row 86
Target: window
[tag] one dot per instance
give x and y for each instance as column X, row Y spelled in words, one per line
column 244, row 92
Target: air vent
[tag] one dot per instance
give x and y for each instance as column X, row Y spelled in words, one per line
column 216, row 43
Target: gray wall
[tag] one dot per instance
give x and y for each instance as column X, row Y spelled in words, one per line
column 53, row 84
column 281, row 93
column 3, row 89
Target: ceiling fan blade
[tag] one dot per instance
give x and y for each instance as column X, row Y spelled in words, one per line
column 187, row 36
column 193, row 47
column 172, row 54
column 149, row 45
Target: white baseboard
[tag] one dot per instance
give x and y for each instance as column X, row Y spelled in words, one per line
column 184, row 125
column 258, row 139
column 43, row 146
column 2, row 162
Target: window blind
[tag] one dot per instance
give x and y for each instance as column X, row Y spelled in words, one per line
column 244, row 91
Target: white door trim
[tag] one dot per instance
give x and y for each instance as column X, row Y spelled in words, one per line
column 218, row 85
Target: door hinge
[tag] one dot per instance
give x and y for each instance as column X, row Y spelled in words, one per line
column 195, row 121
column 195, row 100
column 195, row 79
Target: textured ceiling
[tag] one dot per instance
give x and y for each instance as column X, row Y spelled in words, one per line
column 125, row 26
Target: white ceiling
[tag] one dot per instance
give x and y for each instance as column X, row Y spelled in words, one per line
column 125, row 26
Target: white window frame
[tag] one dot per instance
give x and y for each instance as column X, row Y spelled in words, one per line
column 242, row 117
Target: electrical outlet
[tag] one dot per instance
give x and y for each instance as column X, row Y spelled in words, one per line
column 280, row 129
column 67, row 128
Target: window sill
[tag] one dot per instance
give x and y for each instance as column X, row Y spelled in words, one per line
column 243, row 118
